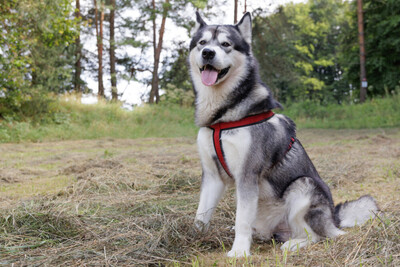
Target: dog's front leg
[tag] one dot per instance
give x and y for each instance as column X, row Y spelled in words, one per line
column 212, row 189
column 246, row 212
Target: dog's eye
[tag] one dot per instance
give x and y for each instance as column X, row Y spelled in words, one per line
column 202, row 42
column 226, row 44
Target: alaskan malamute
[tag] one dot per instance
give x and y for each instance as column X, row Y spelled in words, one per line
column 278, row 190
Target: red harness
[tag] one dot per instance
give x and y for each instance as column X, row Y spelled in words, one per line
column 247, row 121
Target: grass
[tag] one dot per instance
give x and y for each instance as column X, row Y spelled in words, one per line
column 74, row 121
column 105, row 186
column 37, row 185
column 133, row 201
column 375, row 113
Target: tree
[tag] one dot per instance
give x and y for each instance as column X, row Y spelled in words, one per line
column 235, row 11
column 273, row 46
column 99, row 36
column 152, row 23
column 35, row 55
column 114, row 91
column 382, row 40
column 298, row 48
column 363, row 89
column 382, row 46
column 317, row 25
column 78, row 50
column 157, row 46
column 177, row 72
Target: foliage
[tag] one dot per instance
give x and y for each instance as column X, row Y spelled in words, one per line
column 141, row 28
column 297, row 47
column 273, row 40
column 34, row 41
column 310, row 50
column 382, row 45
column 299, row 50
column 177, row 95
column 177, row 74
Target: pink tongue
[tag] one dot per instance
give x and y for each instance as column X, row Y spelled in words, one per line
column 209, row 77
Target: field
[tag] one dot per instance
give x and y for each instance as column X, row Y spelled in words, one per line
column 132, row 202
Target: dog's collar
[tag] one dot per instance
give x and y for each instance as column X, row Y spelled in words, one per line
column 218, row 127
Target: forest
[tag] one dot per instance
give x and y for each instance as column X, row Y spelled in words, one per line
column 308, row 51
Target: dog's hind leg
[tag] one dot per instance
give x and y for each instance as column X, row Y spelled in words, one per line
column 270, row 221
column 298, row 203
column 310, row 215
column 246, row 212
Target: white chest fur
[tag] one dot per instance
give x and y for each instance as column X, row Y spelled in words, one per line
column 235, row 144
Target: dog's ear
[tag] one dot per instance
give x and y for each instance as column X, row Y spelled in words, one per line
column 244, row 27
column 199, row 23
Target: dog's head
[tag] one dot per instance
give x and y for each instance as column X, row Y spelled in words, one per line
column 219, row 52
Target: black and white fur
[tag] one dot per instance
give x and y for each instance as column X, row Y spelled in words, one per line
column 279, row 192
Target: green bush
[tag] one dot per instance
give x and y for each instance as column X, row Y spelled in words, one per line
column 178, row 96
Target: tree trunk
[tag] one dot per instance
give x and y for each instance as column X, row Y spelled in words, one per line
column 99, row 35
column 154, row 93
column 114, row 91
column 155, row 74
column 363, row 75
column 78, row 53
column 235, row 12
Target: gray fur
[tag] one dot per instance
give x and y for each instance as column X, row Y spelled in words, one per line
column 279, row 191
column 356, row 212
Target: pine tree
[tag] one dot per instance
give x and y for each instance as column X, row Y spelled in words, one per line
column 78, row 51
column 114, row 91
column 99, row 36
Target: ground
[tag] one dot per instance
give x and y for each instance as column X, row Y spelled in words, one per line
column 132, row 202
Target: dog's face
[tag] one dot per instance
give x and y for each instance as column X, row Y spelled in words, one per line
column 218, row 52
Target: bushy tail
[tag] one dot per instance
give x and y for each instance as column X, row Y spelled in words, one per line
column 356, row 212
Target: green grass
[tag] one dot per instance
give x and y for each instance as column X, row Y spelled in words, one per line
column 375, row 113
column 74, row 121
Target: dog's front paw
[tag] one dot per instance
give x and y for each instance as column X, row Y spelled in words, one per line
column 295, row 244
column 201, row 226
column 241, row 246
column 238, row 253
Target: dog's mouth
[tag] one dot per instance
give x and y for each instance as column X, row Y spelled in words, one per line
column 210, row 75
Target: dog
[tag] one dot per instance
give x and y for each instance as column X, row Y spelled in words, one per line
column 279, row 193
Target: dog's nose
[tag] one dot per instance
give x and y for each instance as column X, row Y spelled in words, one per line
column 208, row 54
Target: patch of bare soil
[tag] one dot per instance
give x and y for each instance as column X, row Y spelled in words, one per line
column 132, row 202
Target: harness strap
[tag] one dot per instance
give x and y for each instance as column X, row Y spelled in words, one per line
column 292, row 140
column 247, row 121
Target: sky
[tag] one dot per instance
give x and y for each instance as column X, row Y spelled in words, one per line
column 132, row 92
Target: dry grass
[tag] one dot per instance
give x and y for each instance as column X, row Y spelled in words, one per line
column 132, row 202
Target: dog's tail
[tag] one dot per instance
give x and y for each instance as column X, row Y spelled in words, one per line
column 356, row 212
